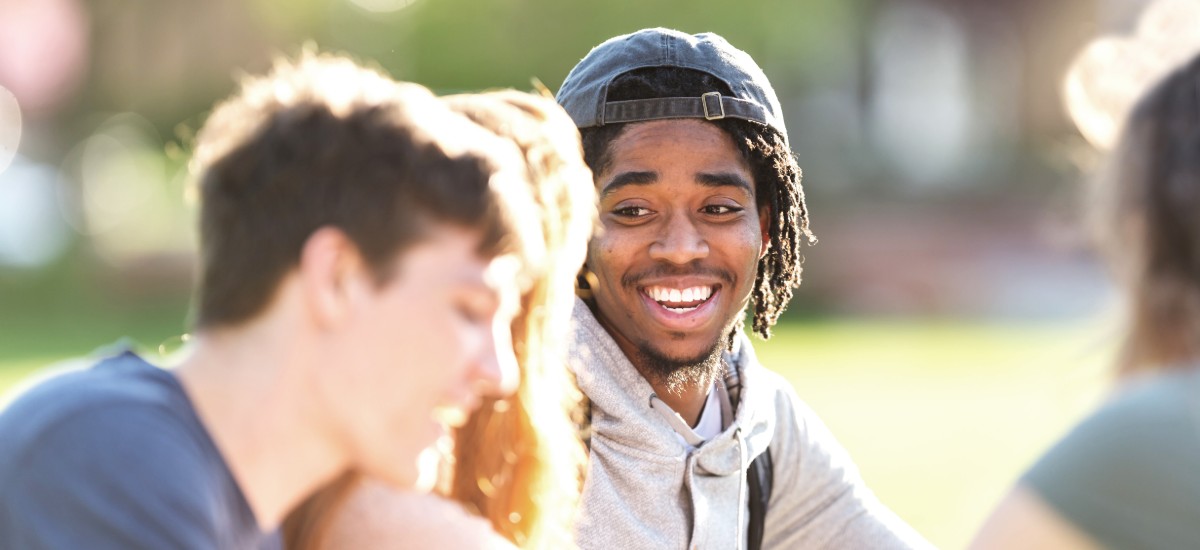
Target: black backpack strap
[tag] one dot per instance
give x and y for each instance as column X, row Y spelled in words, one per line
column 760, row 475
column 583, row 422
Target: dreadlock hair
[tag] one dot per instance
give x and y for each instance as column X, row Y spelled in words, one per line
column 776, row 178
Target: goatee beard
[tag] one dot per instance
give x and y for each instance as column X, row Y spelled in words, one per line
column 680, row 373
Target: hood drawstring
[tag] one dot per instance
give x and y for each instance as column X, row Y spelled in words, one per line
column 742, row 468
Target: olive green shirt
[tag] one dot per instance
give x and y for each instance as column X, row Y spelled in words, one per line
column 1129, row 474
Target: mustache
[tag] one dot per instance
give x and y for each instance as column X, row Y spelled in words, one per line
column 670, row 270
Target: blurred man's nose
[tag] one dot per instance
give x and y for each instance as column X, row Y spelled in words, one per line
column 681, row 241
column 497, row 374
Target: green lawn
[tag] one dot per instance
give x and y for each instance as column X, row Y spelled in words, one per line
column 940, row 417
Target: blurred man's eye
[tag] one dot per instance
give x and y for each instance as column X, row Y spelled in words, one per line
column 477, row 308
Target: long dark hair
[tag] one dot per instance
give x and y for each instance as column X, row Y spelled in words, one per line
column 1146, row 215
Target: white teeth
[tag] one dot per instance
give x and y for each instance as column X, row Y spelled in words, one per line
column 682, row 309
column 674, row 295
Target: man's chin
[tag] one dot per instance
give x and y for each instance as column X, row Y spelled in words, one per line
column 678, row 369
column 672, row 359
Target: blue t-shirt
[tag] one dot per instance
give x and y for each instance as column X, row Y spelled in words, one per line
column 1129, row 474
column 114, row 456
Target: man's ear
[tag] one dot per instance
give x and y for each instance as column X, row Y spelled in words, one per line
column 333, row 276
column 586, row 283
column 764, row 226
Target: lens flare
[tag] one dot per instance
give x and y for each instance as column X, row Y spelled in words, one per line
column 130, row 195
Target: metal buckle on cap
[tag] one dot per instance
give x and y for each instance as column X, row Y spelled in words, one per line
column 720, row 106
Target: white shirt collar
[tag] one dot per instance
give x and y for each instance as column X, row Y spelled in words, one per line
column 713, row 418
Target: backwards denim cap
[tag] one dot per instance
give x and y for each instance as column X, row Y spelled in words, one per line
column 584, row 91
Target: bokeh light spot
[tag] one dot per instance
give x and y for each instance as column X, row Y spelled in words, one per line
column 32, row 231
column 10, row 128
column 383, row 6
column 1109, row 75
column 130, row 196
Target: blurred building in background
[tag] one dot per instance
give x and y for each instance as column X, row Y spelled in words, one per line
column 941, row 168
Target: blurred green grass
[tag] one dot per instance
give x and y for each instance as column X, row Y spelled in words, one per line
column 940, row 417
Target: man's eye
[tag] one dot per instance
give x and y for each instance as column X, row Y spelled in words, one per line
column 632, row 211
column 720, row 209
column 470, row 315
column 475, row 313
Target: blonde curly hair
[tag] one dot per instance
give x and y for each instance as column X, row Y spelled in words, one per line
column 527, row 481
column 518, row 461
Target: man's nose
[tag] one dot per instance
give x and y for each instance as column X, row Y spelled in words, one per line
column 681, row 241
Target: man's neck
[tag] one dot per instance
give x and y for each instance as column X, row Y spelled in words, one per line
column 239, row 383
column 685, row 397
column 687, row 401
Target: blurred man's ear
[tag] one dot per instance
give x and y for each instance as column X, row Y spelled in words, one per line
column 333, row 275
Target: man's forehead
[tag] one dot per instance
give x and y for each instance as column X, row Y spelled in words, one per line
column 639, row 153
column 631, row 179
column 640, row 134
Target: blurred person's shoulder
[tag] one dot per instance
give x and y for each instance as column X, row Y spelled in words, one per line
column 1160, row 410
column 1127, row 474
column 121, row 398
column 1147, row 424
column 88, row 387
column 115, row 455
column 1171, row 393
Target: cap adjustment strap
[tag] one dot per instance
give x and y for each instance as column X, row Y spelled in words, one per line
column 710, row 106
column 709, row 99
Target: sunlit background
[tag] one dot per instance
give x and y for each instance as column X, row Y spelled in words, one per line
column 952, row 320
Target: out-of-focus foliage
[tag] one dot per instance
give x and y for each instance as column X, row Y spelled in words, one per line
column 169, row 60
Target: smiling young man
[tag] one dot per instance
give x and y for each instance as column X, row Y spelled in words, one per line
column 693, row 443
column 362, row 248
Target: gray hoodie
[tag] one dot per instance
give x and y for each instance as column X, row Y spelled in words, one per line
column 646, row 489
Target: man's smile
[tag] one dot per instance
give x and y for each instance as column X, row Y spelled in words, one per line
column 681, row 307
column 680, row 300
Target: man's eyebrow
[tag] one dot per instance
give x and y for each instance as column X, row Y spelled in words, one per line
column 708, row 179
column 725, row 179
column 628, row 178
